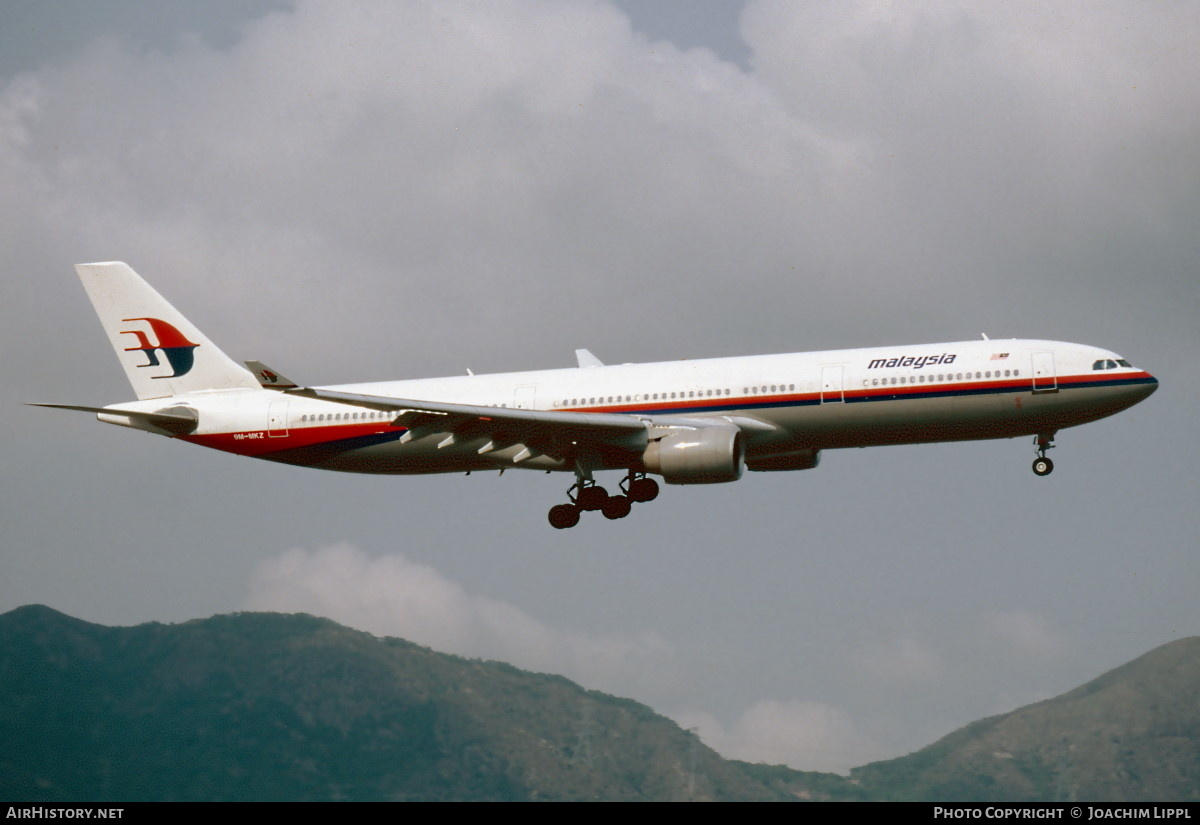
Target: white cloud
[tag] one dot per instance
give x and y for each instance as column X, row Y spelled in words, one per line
column 900, row 662
column 1023, row 635
column 802, row 735
column 394, row 596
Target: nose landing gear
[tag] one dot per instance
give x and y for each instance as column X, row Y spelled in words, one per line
column 1043, row 466
column 585, row 494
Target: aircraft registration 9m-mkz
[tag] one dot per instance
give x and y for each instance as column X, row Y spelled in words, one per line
column 689, row 422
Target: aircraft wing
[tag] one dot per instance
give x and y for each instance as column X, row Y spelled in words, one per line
column 540, row 431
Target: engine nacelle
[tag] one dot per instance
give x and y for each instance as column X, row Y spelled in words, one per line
column 804, row 459
column 705, row 455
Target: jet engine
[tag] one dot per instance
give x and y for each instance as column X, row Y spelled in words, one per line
column 703, row 455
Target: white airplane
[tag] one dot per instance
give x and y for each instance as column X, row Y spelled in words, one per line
column 690, row 422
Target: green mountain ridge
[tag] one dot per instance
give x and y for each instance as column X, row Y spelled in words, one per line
column 263, row 706
column 270, row 706
column 1131, row 734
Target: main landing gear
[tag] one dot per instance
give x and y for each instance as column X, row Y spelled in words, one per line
column 1043, row 466
column 588, row 495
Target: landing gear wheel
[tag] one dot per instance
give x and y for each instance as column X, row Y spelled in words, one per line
column 643, row 489
column 591, row 498
column 1043, row 466
column 617, row 507
column 563, row 516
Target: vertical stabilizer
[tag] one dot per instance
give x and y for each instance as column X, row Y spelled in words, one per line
column 162, row 352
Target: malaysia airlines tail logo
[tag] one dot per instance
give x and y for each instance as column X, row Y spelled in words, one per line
column 175, row 347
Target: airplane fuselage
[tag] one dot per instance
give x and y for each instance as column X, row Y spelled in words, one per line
column 789, row 406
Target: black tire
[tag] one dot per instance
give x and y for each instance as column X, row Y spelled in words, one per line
column 1043, row 466
column 643, row 489
column 563, row 516
column 591, row 498
column 617, row 507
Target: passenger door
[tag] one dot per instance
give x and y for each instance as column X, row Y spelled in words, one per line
column 1045, row 379
column 831, row 385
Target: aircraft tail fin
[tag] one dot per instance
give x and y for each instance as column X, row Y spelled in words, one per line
column 162, row 352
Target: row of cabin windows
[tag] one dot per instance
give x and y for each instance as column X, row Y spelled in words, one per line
column 940, row 377
column 768, row 388
column 374, row 415
column 657, row 396
column 672, row 396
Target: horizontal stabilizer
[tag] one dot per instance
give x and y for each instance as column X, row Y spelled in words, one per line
column 178, row 420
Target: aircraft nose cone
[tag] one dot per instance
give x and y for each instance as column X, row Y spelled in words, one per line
column 1146, row 387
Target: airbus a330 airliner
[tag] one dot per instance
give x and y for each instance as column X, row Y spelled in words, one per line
column 690, row 422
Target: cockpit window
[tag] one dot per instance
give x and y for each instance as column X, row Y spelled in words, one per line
column 1124, row 363
column 1109, row 364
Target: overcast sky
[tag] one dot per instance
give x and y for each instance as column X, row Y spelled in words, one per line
column 371, row 191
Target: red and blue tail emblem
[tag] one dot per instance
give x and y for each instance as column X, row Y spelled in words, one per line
column 176, row 348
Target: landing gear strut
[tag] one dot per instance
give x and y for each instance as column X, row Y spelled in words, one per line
column 585, row 494
column 1043, row 466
